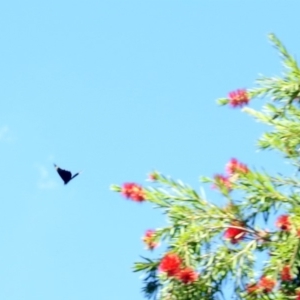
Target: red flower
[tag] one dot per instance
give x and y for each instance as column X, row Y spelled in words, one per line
column 238, row 98
column 235, row 234
column 286, row 273
column 170, row 264
column 222, row 182
column 133, row 191
column 283, row 222
column 187, row 275
column 266, row 284
column 148, row 239
column 251, row 288
column 234, row 166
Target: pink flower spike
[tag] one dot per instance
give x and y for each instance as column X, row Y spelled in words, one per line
column 236, row 167
column 133, row 191
column 149, row 240
column 238, row 98
column 222, row 181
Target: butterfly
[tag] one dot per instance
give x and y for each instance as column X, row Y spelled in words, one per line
column 65, row 175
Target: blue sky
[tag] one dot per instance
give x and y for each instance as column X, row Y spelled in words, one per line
column 117, row 89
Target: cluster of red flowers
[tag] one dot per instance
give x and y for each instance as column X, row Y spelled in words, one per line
column 265, row 285
column 286, row 273
column 223, row 181
column 284, row 223
column 236, row 167
column 149, row 240
column 233, row 169
column 133, row 191
column 238, row 98
column 187, row 275
column 171, row 264
column 233, row 233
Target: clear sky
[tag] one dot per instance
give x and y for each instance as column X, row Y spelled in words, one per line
column 117, row 89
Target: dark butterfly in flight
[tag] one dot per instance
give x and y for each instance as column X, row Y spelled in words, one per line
column 66, row 176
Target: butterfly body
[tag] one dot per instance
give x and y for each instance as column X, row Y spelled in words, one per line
column 65, row 175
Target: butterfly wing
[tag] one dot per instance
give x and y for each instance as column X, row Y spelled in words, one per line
column 64, row 174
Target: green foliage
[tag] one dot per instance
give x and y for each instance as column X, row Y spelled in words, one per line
column 230, row 246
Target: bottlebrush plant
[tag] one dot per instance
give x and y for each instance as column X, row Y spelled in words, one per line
column 211, row 248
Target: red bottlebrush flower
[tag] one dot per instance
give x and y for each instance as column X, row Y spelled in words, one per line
column 266, row 284
column 251, row 288
column 283, row 222
column 222, row 181
column 187, row 275
column 148, row 239
column 170, row 264
column 234, row 167
column 235, row 234
column 238, row 98
column 286, row 273
column 133, row 191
